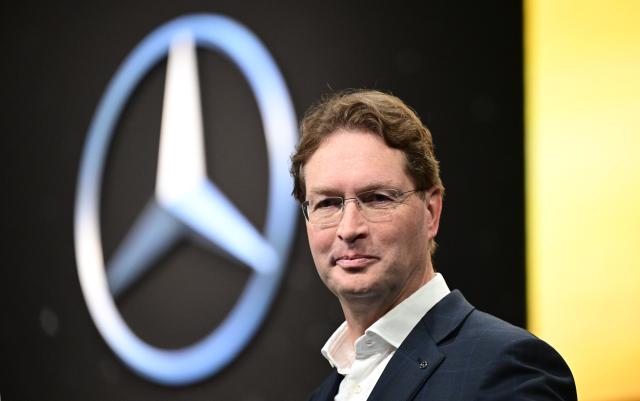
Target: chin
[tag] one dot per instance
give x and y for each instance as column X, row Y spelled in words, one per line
column 360, row 292
column 354, row 286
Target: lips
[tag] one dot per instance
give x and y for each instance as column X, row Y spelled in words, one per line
column 355, row 261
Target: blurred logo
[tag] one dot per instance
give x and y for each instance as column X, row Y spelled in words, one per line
column 186, row 202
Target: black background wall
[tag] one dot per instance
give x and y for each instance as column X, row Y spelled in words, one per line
column 459, row 66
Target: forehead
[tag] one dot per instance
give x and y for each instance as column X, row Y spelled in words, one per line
column 353, row 160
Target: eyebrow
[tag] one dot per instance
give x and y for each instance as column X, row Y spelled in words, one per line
column 334, row 192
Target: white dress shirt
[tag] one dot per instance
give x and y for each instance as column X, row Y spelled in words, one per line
column 363, row 362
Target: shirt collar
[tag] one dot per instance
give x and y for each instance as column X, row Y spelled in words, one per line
column 393, row 327
column 337, row 351
column 396, row 324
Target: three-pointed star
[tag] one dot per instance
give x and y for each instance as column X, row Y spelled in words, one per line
column 186, row 202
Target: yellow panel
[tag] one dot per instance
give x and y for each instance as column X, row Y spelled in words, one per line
column 583, row 188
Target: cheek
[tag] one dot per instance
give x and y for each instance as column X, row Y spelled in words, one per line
column 319, row 242
column 409, row 238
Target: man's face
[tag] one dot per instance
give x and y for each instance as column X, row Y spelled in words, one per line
column 358, row 259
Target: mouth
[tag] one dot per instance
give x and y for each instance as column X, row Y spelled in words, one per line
column 354, row 261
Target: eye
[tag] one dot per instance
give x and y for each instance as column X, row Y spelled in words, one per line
column 328, row 204
column 378, row 198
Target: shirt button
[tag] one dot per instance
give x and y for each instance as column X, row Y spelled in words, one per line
column 356, row 388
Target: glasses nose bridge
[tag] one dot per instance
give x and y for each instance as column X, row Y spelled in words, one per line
column 343, row 210
column 354, row 199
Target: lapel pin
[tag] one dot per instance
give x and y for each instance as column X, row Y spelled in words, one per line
column 422, row 364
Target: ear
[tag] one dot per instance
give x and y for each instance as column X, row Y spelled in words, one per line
column 433, row 200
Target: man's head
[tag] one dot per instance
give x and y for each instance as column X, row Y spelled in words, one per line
column 379, row 247
column 379, row 113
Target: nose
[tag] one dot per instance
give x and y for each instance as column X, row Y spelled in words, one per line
column 352, row 225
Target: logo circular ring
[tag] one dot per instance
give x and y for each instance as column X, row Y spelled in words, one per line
column 216, row 350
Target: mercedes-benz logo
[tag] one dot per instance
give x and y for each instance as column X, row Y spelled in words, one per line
column 186, row 202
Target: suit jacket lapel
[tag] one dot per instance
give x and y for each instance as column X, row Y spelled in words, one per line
column 447, row 315
column 411, row 365
column 329, row 387
column 418, row 356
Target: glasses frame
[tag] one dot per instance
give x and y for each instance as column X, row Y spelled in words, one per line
column 401, row 196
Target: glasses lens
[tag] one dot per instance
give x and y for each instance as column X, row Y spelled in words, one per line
column 325, row 211
column 377, row 205
column 379, row 198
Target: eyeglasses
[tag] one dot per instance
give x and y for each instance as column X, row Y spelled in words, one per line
column 376, row 205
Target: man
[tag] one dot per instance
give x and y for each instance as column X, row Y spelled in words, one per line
column 369, row 184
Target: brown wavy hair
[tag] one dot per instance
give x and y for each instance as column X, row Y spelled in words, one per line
column 376, row 112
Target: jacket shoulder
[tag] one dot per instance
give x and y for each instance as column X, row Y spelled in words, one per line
column 509, row 363
column 487, row 358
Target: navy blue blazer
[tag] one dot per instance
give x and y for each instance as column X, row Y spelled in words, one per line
column 457, row 352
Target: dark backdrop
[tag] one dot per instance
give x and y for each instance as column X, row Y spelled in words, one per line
column 459, row 66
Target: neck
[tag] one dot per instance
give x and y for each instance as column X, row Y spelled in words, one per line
column 361, row 312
